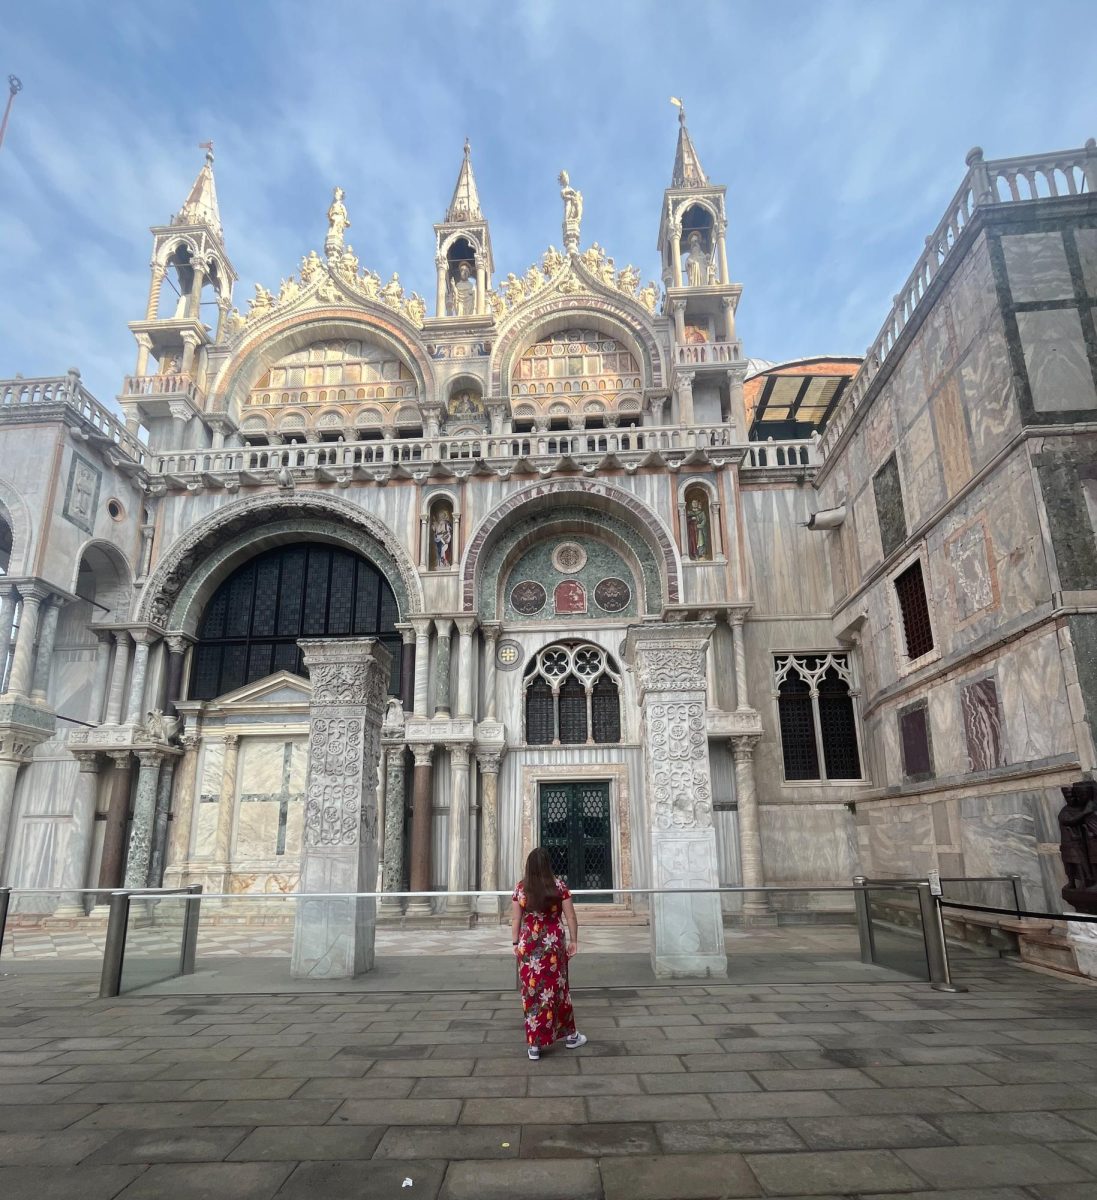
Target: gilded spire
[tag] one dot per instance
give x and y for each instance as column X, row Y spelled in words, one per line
column 465, row 205
column 688, row 171
column 200, row 207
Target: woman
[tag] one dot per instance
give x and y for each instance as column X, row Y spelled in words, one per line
column 537, row 935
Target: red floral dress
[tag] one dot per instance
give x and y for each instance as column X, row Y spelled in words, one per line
column 543, row 970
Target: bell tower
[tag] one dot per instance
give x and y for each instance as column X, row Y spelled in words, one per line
column 708, row 362
column 188, row 255
column 463, row 251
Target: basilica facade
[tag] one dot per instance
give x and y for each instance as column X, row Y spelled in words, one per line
column 679, row 615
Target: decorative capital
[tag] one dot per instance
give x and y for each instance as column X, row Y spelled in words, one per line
column 443, row 627
column 120, row 758
column 231, row 740
column 421, row 752
column 33, row 593
column 177, row 643
column 491, row 631
column 742, row 746
column 465, row 625
column 489, row 761
column 88, row 763
column 669, row 657
column 150, row 758
column 459, row 754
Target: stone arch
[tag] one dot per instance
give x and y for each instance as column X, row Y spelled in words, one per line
column 619, row 320
column 276, row 338
column 188, row 574
column 16, row 515
column 463, row 234
column 112, row 574
column 596, row 497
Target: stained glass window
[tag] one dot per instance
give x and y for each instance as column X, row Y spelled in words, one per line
column 252, row 622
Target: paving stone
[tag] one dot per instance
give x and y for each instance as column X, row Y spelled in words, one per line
column 425, row 1067
column 698, row 1081
column 336, row 1068
column 737, row 1105
column 514, row 1064
column 944, row 1075
column 630, row 1064
column 823, row 1079
column 690, row 1137
column 346, row 1089
column 1032, row 1072
column 65, row 1183
column 701, row 1177
column 48, row 1149
column 810, row 1060
column 399, row 1112
column 133, row 1091
column 165, row 1115
column 903, row 1100
column 1021, row 1097
column 38, row 1118
column 725, row 1061
column 982, row 1166
column 985, row 1128
column 301, row 1143
column 1007, row 1193
column 479, row 1086
column 169, row 1145
column 1085, row 1155
column 105, row 1072
column 37, row 1093
column 524, row 1111
column 586, row 1085
column 244, row 1089
column 484, row 1141
column 867, row 1133
column 274, row 1112
column 647, row 1108
column 526, row 1179
column 842, row 1171
column 592, row 1141
column 915, row 1055
column 208, row 1181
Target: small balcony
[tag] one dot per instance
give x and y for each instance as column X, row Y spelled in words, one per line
column 708, row 354
column 155, row 394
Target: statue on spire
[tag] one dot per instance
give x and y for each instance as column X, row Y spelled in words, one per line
column 573, row 213
column 338, row 224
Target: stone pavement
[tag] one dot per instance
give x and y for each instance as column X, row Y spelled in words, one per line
column 686, row 1092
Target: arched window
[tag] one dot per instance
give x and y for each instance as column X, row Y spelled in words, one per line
column 572, row 697
column 251, row 625
column 818, row 724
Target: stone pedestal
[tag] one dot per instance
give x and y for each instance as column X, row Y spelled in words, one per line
column 334, row 938
column 687, row 932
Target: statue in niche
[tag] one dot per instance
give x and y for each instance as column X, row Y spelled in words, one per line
column 462, row 292
column 573, row 213
column 697, row 527
column 697, row 273
column 441, row 538
column 1078, row 845
column 338, row 223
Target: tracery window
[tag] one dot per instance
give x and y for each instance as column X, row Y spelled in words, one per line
column 815, row 695
column 572, row 697
column 251, row 625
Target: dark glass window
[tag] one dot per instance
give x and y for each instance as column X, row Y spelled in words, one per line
column 911, row 591
column 540, row 714
column 252, row 622
column 606, row 711
column 585, row 706
column 573, row 713
column 838, row 728
column 797, row 729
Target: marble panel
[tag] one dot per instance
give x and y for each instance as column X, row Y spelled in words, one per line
column 1086, row 241
column 209, row 798
column 890, row 513
column 983, row 730
column 908, row 389
column 998, row 837
column 937, row 344
column 988, row 398
column 973, row 584
column 881, row 435
column 1033, row 700
column 789, row 565
column 914, row 741
column 807, row 843
column 952, row 435
column 949, row 752
column 925, row 487
column 900, row 840
column 1059, row 373
column 1036, row 265
column 972, row 295
column 868, row 530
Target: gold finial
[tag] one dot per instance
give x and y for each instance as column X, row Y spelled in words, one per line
column 208, row 147
column 468, row 148
column 680, row 106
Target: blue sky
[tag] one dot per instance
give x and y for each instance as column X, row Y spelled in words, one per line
column 839, row 128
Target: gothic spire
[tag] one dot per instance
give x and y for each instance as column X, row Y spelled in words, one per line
column 688, row 171
column 200, row 207
column 465, row 205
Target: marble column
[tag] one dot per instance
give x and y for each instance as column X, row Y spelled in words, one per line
column 458, row 829
column 135, row 706
column 161, row 821
column 756, row 909
column 684, row 386
column 139, row 856
column 736, row 617
column 118, row 677
column 421, row 627
column 393, row 870
column 334, row 938
column 226, row 805
column 465, row 628
column 491, row 642
column 20, row 680
column 74, row 866
column 489, row 830
column 729, row 318
column 9, row 773
column 443, row 627
column 177, row 649
column 676, row 254
column 43, row 661
column 422, row 818
column 114, row 831
column 182, row 810
column 101, row 677
column 440, row 286
column 678, row 311
column 407, row 667
column 8, row 600
column 687, row 931
column 722, row 252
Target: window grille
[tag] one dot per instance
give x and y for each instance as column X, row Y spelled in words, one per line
column 910, row 589
column 572, row 696
column 251, row 625
column 817, row 717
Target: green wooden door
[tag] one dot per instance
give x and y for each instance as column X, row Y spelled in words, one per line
column 575, row 830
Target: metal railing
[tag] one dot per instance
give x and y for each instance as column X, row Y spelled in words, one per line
column 118, row 929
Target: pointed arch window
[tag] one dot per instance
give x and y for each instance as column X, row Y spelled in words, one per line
column 815, row 704
column 572, row 697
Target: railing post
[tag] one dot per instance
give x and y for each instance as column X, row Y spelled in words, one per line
column 1015, row 881
column 864, row 921
column 933, row 933
column 191, row 916
column 5, row 900
column 110, row 982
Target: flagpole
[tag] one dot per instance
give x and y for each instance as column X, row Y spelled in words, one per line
column 14, row 88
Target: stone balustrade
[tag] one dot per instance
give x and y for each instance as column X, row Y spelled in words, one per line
column 705, row 354
column 173, row 385
column 501, row 454
column 17, row 395
column 1001, row 181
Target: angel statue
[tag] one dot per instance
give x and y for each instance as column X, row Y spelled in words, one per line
column 338, row 223
column 392, row 293
column 497, row 305
column 289, row 291
column 348, row 265
column 628, row 280
column 551, row 261
column 649, row 296
column 311, row 266
column 416, row 309
column 573, row 213
column 515, row 289
column 262, row 302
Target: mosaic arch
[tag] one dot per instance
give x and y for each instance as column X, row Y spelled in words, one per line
column 378, row 349
column 189, row 573
column 599, row 504
column 562, row 313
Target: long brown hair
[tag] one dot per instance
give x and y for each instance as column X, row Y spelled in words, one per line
column 539, row 883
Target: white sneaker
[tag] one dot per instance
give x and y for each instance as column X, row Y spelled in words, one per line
column 574, row 1040
column 534, row 1053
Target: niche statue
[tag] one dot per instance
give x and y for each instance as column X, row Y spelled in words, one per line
column 1078, row 845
